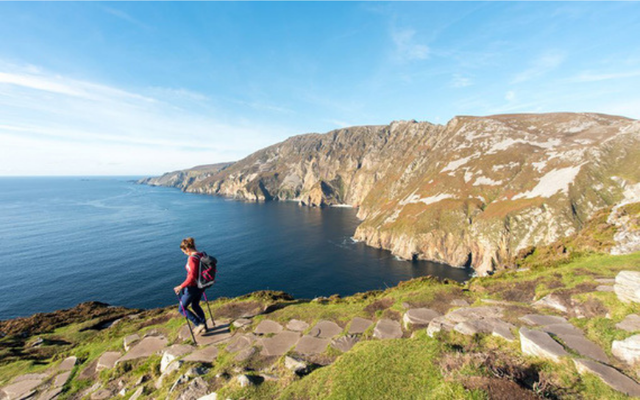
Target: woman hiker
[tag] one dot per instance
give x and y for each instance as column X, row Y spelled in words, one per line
column 192, row 294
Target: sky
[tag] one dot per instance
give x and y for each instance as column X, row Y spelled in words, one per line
column 121, row 88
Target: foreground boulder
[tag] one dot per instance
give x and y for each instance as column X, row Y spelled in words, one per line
column 610, row 376
column 627, row 350
column 627, row 286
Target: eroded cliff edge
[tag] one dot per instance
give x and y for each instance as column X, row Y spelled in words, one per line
column 475, row 191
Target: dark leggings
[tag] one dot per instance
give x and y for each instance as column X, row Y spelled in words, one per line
column 191, row 297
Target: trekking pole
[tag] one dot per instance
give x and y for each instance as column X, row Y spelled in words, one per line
column 185, row 317
column 210, row 314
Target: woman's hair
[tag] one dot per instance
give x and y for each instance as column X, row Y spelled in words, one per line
column 188, row 243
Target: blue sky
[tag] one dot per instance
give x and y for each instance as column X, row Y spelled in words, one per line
column 143, row 88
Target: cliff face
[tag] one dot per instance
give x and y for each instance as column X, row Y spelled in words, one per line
column 473, row 192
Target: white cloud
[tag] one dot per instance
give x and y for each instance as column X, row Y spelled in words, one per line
column 542, row 65
column 70, row 123
column 459, row 81
column 589, row 76
column 405, row 46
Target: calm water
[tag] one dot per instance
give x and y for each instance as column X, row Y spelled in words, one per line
column 68, row 240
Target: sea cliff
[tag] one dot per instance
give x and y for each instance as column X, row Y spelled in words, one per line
column 475, row 191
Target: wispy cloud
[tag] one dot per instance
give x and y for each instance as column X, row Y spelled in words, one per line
column 589, row 76
column 125, row 17
column 540, row 66
column 48, row 111
column 406, row 47
column 459, row 81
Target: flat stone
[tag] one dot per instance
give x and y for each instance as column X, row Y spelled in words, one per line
column 102, row 394
column 108, row 360
column 606, row 281
column 612, row 377
column 242, row 322
column 210, row 396
column 220, row 334
column 504, row 331
column 459, row 303
column 473, row 327
column 268, row 326
column 540, row 344
column 312, row 345
column 240, row 343
column 296, row 325
column 345, row 343
column 604, row 288
column 145, row 348
column 174, row 352
column 130, row 340
column 279, row 344
column 359, row 325
column 387, row 329
column 325, row 329
column 627, row 350
column 419, row 317
column 538, row 319
column 245, row 354
column 21, row 389
column 627, row 286
column 439, row 324
column 67, row 364
column 51, row 394
column 631, row 323
column 495, row 302
column 30, row 377
column 467, row 313
column 136, row 395
column 552, row 301
column 61, row 379
column 562, row 329
column 584, row 347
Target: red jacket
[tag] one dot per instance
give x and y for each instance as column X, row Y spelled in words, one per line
column 192, row 271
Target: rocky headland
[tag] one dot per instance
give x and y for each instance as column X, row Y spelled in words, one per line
column 477, row 191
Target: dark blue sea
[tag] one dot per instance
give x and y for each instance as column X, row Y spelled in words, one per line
column 69, row 240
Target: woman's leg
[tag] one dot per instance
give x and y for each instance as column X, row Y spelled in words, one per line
column 186, row 300
column 195, row 305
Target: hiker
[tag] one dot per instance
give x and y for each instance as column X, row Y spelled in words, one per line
column 192, row 293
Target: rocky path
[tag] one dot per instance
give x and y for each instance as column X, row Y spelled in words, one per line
column 548, row 337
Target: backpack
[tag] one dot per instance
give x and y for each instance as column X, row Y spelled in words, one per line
column 207, row 267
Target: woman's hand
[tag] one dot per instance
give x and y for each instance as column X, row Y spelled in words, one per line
column 177, row 289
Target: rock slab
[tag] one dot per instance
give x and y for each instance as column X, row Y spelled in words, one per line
column 268, row 326
column 631, row 323
column 359, row 325
column 387, row 329
column 345, row 343
column 325, row 330
column 145, row 348
column 419, row 317
column 610, row 376
column 279, row 344
column 206, row 355
column 543, row 320
column 296, row 325
column 312, row 345
column 627, row 286
column 108, row 360
column 540, row 344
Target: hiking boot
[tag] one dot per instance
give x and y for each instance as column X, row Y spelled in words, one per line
column 199, row 329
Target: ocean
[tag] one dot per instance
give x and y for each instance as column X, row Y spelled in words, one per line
column 68, row 240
